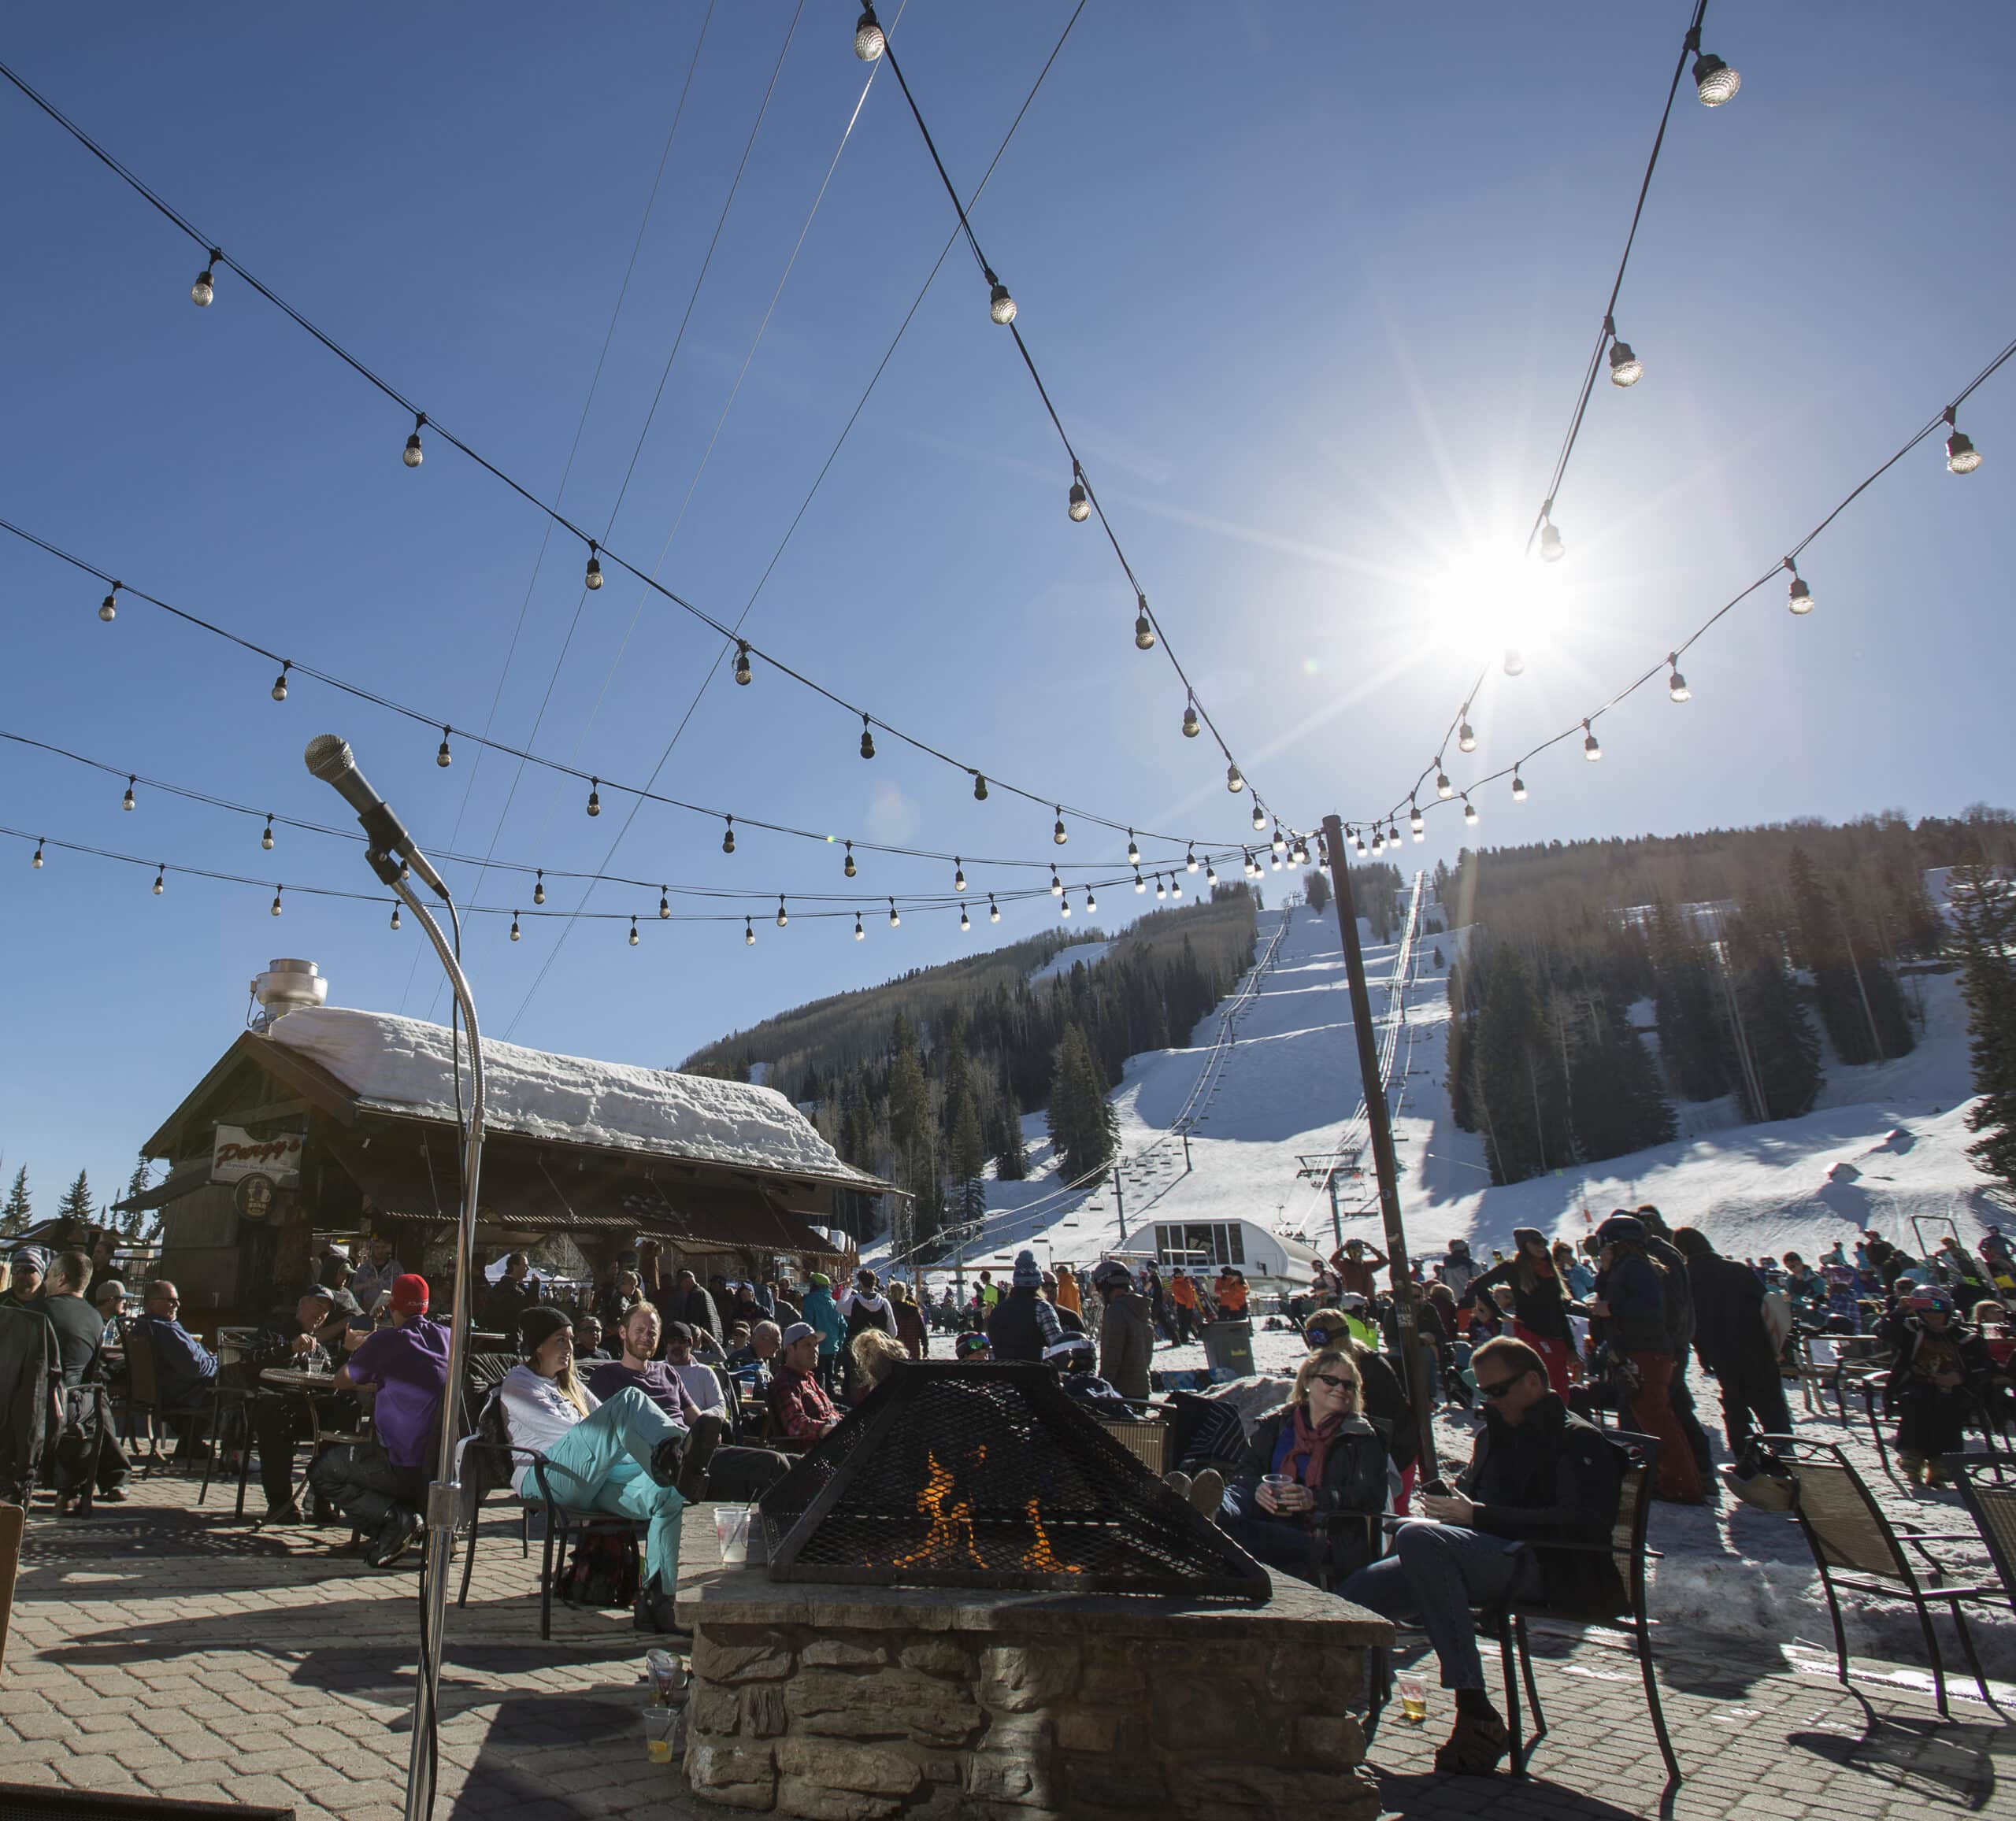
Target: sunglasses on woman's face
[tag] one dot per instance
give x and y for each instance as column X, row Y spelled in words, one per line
column 1337, row 1383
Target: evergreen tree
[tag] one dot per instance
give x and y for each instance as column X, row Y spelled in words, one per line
column 1084, row 1129
column 1774, row 1051
column 1518, row 1086
column 1983, row 909
column 1011, row 1163
column 1856, row 993
column 1614, row 1087
column 16, row 1215
column 1684, row 992
column 1316, row 888
column 77, row 1205
column 135, row 1223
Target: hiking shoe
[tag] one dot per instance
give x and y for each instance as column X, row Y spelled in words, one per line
column 1179, row 1482
column 400, row 1533
column 1207, row 1491
column 1475, row 1747
column 702, row 1440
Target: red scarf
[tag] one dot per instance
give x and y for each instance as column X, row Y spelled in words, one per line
column 1305, row 1453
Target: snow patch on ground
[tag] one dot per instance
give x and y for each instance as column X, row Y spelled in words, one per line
column 1065, row 960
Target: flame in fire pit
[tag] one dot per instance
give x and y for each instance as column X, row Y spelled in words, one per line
column 950, row 1528
column 1042, row 1560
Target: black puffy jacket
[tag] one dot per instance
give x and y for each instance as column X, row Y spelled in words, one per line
column 1353, row 1481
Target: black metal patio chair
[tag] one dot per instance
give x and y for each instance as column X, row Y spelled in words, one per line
column 144, row 1403
column 1987, row 1487
column 1847, row 1530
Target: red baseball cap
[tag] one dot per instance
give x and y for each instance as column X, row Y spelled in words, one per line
column 409, row 1292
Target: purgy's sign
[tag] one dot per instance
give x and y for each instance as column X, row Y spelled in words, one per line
column 235, row 1154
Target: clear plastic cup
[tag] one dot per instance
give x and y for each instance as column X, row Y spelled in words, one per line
column 1413, row 1699
column 1277, row 1483
column 731, row 1532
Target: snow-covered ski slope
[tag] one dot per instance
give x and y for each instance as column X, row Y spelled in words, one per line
column 1271, row 1077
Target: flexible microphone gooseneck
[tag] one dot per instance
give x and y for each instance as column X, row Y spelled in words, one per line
column 328, row 758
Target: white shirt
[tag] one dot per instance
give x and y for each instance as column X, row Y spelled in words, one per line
column 701, row 1386
column 538, row 1413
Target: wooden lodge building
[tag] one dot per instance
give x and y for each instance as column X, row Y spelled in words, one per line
column 327, row 1120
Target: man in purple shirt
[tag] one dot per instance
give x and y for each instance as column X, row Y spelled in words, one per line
column 381, row 1486
column 738, row 1474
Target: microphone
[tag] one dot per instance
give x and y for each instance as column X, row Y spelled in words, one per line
column 328, row 758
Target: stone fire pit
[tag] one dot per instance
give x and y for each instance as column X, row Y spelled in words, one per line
column 850, row 1703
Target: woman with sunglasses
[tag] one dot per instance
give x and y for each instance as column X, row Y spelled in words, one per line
column 1382, row 1395
column 1539, row 1315
column 1309, row 1498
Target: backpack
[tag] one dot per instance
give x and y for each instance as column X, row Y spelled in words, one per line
column 604, row 1571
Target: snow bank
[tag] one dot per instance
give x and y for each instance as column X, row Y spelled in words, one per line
column 1065, row 960
column 401, row 1065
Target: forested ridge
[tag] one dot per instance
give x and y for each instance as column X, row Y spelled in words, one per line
column 1736, row 950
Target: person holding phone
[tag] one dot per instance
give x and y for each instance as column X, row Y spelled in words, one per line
column 1310, row 1469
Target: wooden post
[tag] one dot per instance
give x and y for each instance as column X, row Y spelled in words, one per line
column 1404, row 1313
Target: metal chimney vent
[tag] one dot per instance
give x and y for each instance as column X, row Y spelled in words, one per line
column 287, row 986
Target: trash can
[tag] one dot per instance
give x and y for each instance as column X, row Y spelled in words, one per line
column 1228, row 1350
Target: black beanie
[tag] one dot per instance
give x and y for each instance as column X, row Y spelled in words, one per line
column 538, row 1325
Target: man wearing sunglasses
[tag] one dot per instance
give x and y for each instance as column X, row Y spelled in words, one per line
column 1539, row 1474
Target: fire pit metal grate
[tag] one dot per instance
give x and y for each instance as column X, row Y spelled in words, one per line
column 990, row 1476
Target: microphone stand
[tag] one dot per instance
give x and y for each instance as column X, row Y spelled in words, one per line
column 444, row 1494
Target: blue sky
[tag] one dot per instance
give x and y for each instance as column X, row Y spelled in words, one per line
column 1312, row 285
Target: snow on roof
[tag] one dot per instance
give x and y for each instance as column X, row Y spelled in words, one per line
column 402, row 1065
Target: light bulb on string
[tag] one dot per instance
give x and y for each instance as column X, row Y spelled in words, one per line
column 1259, row 818
column 742, row 671
column 993, row 910
column 1799, row 597
column 1191, row 726
column 108, row 608
column 266, row 839
column 1466, row 737
column 595, row 796
column 848, row 867
column 1140, row 884
column 36, row 862
column 1392, row 834
column 1189, row 861
column 1677, row 684
column 538, row 885
column 206, row 286
column 959, row 874
column 394, row 923
column 1080, row 503
column 783, row 917
column 1961, row 456
column 405, row 870
column 1518, row 787
column 276, row 910
column 591, row 578
column 1301, row 852
column 1469, row 810
column 869, row 41
column 1360, row 844
column 867, row 739
column 1064, row 907
column 895, row 922
column 1162, row 891
column 514, row 926
column 1714, row 80
column 727, row 837
column 1175, row 888
column 634, row 937
column 161, row 885
column 1591, row 747
column 1057, row 834
column 1235, row 782
column 414, row 455
column 860, row 934
column 1091, row 903
column 1416, row 821
column 444, row 758
column 1279, row 843
column 1625, row 368
column 980, row 788
column 1000, row 305
column 1551, row 544
column 1144, row 627
column 664, row 904
column 748, row 932
column 966, row 922
column 1443, row 788
column 280, row 682
column 1378, row 844
column 126, row 802
column 1133, row 849
column 1210, row 878
column 1515, row 661
column 1056, row 884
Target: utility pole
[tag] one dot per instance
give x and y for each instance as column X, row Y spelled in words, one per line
column 1336, row 1219
column 1406, row 1318
column 1119, row 1204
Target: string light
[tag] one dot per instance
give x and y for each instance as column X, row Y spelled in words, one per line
column 1189, row 861
column 1551, row 546
column 1081, row 505
column 1798, row 596
column 727, row 837
column 1378, row 843
column 965, row 923
column 280, row 682
column 108, row 608
column 894, row 921
column 1057, row 834
column 266, row 839
column 414, row 455
column 1469, row 810
column 36, row 862
column 1210, row 878
column 1259, row 818
column 1279, row 843
column 444, row 758
column 1591, row 747
column 1091, row 903
column 868, row 42
column 539, row 885
column 959, row 874
column 514, row 926
column 848, row 867
column 1466, row 738
column 1140, row 884
column 1175, row 887
column 1190, row 726
column 592, row 578
column 783, row 918
column 1393, row 834
column 860, row 934
column 277, row 890
column 1162, row 891
column 1144, row 628
column 633, row 932
column 1000, row 305
column 395, row 924
column 980, row 788
column 160, row 874
column 1360, row 844
column 206, row 286
column 595, row 796
column 1677, row 684
column 742, row 671
column 993, row 910
column 1443, row 788
column 867, row 739
column 1714, row 80
column 1518, row 787
column 1064, row 907
column 1416, row 821
column 1961, row 456
column 1301, row 852
column 1056, row 884
column 1515, row 661
column 126, row 802
column 1626, row 368
column 748, row 932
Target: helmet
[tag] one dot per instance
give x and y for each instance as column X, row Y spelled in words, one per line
column 972, row 1346
column 1627, row 1227
column 1111, row 1271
